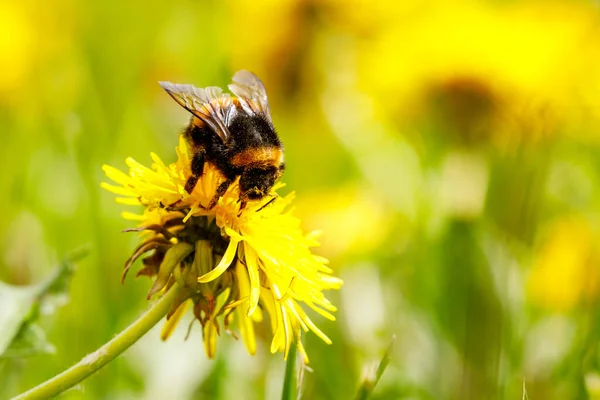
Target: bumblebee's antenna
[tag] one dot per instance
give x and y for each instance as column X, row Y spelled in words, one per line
column 268, row 202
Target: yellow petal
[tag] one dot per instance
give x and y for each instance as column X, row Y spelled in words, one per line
column 223, row 264
column 210, row 340
column 252, row 263
column 122, row 191
column 233, row 234
column 133, row 217
column 128, row 201
column 312, row 326
column 158, row 161
column 302, row 351
column 116, row 175
column 287, row 328
column 172, row 322
column 247, row 331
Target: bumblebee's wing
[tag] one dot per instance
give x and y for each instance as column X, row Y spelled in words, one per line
column 251, row 93
column 209, row 104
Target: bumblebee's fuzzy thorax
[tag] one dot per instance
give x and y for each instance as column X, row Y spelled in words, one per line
column 234, row 134
column 259, row 156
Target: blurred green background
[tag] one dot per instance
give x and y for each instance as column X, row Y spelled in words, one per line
column 449, row 150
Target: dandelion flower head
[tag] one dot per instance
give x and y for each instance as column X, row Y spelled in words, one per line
column 234, row 263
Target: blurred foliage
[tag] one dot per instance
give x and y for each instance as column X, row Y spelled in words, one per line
column 20, row 336
column 448, row 150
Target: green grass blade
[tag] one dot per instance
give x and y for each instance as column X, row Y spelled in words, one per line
column 371, row 381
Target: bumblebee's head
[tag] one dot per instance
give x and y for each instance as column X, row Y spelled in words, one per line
column 255, row 194
column 255, row 183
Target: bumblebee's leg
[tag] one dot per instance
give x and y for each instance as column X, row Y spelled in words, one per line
column 198, row 164
column 219, row 192
column 191, row 183
column 197, row 168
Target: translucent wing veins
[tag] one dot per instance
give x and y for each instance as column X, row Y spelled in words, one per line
column 209, row 105
column 217, row 109
column 251, row 93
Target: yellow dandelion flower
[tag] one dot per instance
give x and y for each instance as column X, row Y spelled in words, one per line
column 487, row 70
column 234, row 263
column 564, row 273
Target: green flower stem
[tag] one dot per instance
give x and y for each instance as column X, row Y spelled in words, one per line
column 289, row 383
column 105, row 354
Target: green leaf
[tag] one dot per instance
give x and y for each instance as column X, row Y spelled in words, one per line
column 29, row 341
column 16, row 304
column 20, row 305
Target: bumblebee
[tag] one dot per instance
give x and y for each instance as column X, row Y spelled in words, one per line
column 235, row 134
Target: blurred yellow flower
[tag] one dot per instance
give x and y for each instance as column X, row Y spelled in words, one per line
column 565, row 271
column 36, row 54
column 278, row 40
column 233, row 264
column 494, row 69
column 16, row 55
column 355, row 219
